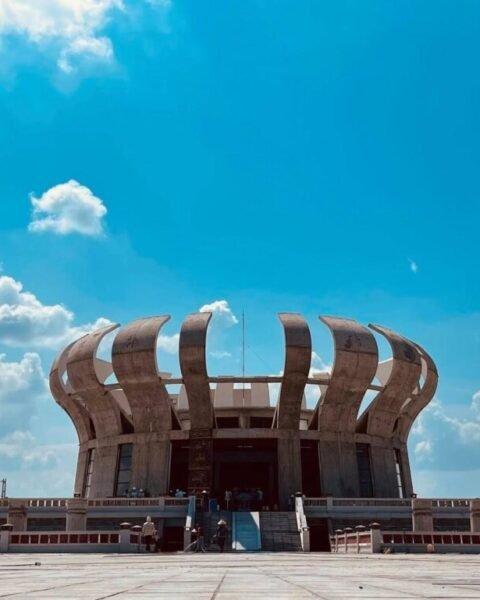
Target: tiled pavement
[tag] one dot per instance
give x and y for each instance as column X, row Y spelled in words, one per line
column 238, row 576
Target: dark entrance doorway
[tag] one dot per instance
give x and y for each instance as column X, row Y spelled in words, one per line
column 245, row 465
column 179, row 466
column 319, row 535
column 310, row 469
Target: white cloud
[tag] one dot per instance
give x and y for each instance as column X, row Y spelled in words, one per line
column 476, row 403
column 169, row 343
column 160, row 3
column 22, row 385
column 25, row 321
column 68, row 208
column 219, row 354
column 69, row 28
column 222, row 318
column 222, row 314
column 318, row 366
column 413, row 265
column 71, row 32
column 423, row 448
column 25, row 460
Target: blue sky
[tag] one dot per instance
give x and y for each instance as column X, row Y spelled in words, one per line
column 280, row 156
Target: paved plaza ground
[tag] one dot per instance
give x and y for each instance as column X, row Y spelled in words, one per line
column 238, row 576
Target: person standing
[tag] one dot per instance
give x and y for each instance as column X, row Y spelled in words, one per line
column 222, row 532
column 148, row 532
column 228, row 498
column 200, row 545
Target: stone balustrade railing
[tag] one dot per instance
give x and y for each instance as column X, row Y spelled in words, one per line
column 161, row 501
column 430, row 537
column 453, row 503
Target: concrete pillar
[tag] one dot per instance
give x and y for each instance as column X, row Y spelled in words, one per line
column 17, row 515
column 289, row 467
column 5, row 537
column 422, row 516
column 475, row 515
column 200, row 462
column 376, row 536
column 150, row 465
column 407, row 475
column 81, row 470
column 338, row 467
column 77, row 514
column 384, row 474
column 104, row 471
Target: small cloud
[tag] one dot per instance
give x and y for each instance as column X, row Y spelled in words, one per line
column 318, row 366
column 222, row 314
column 219, row 354
column 169, row 343
column 413, row 265
column 68, row 208
column 423, row 449
column 476, row 402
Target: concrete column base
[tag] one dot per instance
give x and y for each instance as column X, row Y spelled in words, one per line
column 17, row 515
column 422, row 516
column 77, row 514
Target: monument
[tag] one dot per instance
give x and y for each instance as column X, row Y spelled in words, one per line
column 218, row 433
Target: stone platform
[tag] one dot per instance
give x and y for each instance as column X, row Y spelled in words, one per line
column 238, row 576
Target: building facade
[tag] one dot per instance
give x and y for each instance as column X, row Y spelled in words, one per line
column 217, row 433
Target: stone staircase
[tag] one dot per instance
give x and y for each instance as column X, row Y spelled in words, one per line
column 246, row 531
column 280, row 532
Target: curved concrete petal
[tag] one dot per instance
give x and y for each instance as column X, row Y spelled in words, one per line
column 419, row 400
column 85, row 382
column 381, row 415
column 76, row 412
column 354, row 367
column 134, row 359
column 298, row 357
column 193, row 365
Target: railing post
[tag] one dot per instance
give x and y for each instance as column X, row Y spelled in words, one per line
column 124, row 537
column 475, row 515
column 422, row 516
column 359, row 529
column 338, row 533
column 137, row 530
column 5, row 537
column 189, row 522
column 347, row 531
column 77, row 514
column 376, row 538
column 302, row 524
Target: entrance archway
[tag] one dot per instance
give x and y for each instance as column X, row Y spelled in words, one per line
column 242, row 466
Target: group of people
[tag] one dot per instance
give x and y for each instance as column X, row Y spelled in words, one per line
column 133, row 492
column 153, row 540
column 198, row 537
column 244, row 499
column 178, row 493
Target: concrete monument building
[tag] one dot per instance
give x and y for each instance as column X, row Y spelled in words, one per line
column 211, row 435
